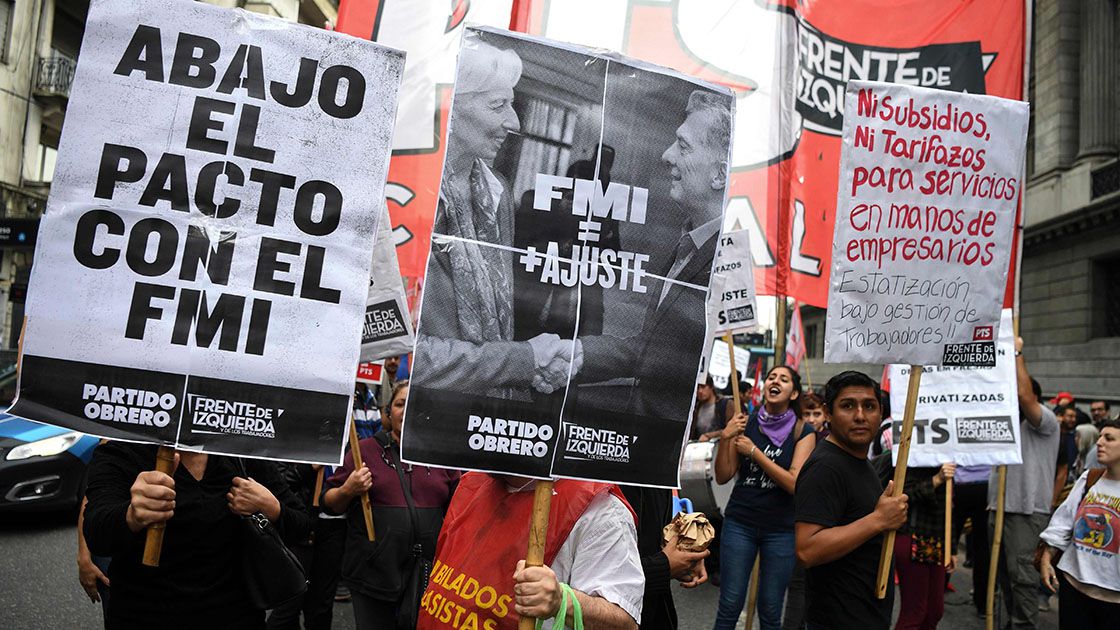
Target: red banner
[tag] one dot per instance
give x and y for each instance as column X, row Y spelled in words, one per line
column 789, row 61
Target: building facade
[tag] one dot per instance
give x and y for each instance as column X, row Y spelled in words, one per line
column 40, row 41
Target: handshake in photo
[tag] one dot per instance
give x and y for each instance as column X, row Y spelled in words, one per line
column 552, row 358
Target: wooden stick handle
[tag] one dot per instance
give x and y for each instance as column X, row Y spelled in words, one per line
column 727, row 336
column 538, row 532
column 949, row 540
column 356, row 454
column 318, row 487
column 153, row 543
column 899, row 474
column 997, row 539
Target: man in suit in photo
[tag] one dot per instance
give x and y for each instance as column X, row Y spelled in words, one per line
column 662, row 356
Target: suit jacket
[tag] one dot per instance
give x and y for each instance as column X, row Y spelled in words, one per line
column 502, row 369
column 663, row 356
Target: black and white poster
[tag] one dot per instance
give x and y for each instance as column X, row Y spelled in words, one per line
column 203, row 265
column 387, row 328
column 563, row 315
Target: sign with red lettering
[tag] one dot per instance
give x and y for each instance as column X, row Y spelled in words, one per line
column 202, row 274
column 929, row 187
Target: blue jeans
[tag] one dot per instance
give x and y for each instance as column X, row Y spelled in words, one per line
column 739, row 544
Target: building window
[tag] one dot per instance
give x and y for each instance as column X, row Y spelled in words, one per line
column 7, row 8
column 811, row 341
column 43, row 169
column 1107, row 280
column 547, row 131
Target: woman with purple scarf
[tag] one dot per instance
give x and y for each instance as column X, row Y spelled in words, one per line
column 766, row 453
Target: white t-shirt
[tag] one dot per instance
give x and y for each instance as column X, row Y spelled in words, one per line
column 600, row 556
column 1089, row 533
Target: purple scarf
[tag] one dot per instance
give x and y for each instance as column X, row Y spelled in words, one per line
column 776, row 428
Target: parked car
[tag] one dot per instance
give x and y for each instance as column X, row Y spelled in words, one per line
column 42, row 468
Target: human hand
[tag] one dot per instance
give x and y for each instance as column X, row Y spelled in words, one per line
column 1049, row 576
column 704, row 438
column 735, row 426
column 952, row 566
column 1018, row 344
column 699, row 576
column 246, row 496
column 947, row 471
column 556, row 361
column 358, row 483
column 89, row 575
column 536, row 592
column 151, row 499
column 682, row 563
column 745, row 446
column 891, row 511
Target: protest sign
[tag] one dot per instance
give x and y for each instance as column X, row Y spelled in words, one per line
column 929, row 186
column 720, row 363
column 203, row 266
column 387, row 329
column 734, row 305
column 563, row 315
column 969, row 416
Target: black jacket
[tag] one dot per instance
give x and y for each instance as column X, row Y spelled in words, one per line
column 654, row 508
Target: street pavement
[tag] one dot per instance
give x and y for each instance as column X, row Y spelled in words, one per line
column 39, row 585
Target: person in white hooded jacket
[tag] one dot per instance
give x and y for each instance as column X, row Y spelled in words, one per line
column 1085, row 529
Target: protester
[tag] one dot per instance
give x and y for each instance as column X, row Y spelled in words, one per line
column 662, row 562
column 919, row 555
column 812, row 411
column 1086, row 528
column 970, row 503
column 710, row 414
column 591, row 546
column 375, row 572
column 1101, row 410
column 766, row 453
column 199, row 582
column 842, row 512
column 320, row 554
column 1066, row 467
column 367, row 417
column 1029, row 491
column 93, row 571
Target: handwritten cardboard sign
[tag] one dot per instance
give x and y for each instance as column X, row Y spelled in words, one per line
column 929, row 185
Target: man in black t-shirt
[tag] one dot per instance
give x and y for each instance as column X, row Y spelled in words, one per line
column 841, row 512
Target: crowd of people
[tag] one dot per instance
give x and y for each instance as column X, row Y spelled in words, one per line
column 812, row 501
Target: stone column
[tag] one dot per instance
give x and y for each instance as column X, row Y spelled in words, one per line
column 1098, row 129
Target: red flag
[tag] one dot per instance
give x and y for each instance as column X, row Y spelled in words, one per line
column 795, row 340
column 755, row 399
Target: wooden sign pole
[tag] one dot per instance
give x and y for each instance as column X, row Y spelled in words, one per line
column 153, row 543
column 734, row 377
column 356, row 454
column 318, row 487
column 538, row 532
column 949, row 541
column 997, row 539
column 899, row 474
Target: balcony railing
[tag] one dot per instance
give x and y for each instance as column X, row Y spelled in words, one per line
column 54, row 76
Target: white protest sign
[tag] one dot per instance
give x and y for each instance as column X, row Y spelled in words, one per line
column 720, row 364
column 965, row 415
column 929, row 185
column 204, row 261
column 387, row 330
column 733, row 306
